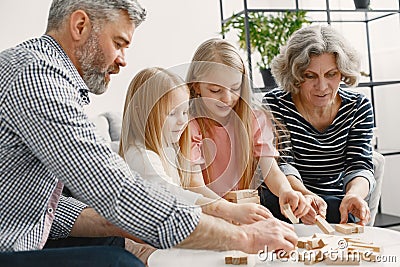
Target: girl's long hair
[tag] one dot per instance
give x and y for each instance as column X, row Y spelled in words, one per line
column 147, row 105
column 211, row 55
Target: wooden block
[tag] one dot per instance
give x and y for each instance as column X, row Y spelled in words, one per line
column 308, row 261
column 315, row 243
column 360, row 229
column 236, row 260
column 349, row 228
column 344, row 228
column 301, row 256
column 302, row 242
column 289, row 214
column 239, row 260
column 324, row 225
column 373, row 248
column 312, row 244
column 358, row 244
column 356, row 240
column 255, row 199
column 357, row 228
column 281, row 254
column 243, row 196
column 243, row 260
column 313, row 258
column 355, row 249
column 327, row 239
column 322, row 243
column 323, row 236
column 239, row 194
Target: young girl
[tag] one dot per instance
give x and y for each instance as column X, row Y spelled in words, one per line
column 228, row 133
column 155, row 142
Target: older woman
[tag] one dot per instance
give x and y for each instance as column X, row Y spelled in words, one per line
column 327, row 152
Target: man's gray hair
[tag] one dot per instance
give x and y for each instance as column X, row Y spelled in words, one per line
column 97, row 10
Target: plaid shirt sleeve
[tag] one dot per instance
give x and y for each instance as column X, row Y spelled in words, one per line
column 68, row 210
column 42, row 111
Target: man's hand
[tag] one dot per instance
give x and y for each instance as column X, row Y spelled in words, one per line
column 142, row 251
column 217, row 234
column 273, row 233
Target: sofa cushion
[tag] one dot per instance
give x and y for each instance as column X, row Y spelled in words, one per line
column 102, row 127
column 108, row 125
column 115, row 124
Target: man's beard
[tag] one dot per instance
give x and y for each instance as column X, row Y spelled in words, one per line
column 93, row 65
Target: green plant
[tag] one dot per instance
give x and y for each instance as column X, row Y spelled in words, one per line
column 267, row 32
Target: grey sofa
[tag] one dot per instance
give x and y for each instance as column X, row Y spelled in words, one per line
column 108, row 125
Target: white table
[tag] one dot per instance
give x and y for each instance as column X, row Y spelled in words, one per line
column 389, row 240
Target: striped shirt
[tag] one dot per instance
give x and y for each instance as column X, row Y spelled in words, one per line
column 46, row 138
column 326, row 161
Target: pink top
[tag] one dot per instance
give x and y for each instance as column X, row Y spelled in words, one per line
column 225, row 153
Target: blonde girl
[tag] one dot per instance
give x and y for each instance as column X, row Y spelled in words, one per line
column 155, row 142
column 229, row 133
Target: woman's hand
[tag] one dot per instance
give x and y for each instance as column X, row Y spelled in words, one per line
column 298, row 203
column 246, row 213
column 355, row 205
column 319, row 207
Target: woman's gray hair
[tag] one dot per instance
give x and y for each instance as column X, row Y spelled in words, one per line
column 97, row 10
column 288, row 67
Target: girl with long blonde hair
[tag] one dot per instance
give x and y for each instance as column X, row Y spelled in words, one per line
column 230, row 134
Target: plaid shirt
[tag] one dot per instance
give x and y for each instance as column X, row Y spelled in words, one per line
column 46, row 138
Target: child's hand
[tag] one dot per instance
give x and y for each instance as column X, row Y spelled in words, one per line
column 300, row 206
column 247, row 213
column 319, row 207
